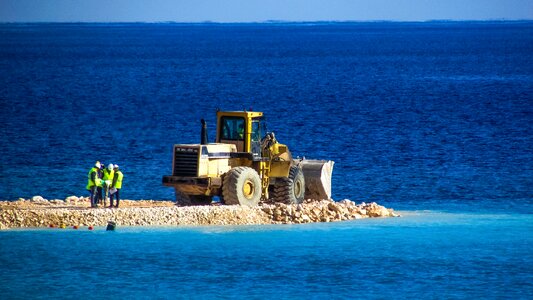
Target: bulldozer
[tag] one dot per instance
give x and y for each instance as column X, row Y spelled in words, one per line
column 245, row 165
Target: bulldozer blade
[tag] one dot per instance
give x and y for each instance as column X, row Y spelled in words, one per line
column 317, row 175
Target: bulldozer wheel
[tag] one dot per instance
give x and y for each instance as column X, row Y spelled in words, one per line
column 241, row 185
column 290, row 190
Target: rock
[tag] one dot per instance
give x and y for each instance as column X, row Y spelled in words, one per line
column 375, row 210
column 288, row 210
column 306, row 219
column 393, row 214
column 347, row 202
column 38, row 199
column 268, row 210
column 333, row 207
column 72, row 199
column 316, row 211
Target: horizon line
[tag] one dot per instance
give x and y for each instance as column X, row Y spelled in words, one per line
column 207, row 22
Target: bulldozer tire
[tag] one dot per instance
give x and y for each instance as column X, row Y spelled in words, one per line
column 241, row 185
column 290, row 190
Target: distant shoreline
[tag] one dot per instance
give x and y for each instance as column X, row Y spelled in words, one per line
column 277, row 23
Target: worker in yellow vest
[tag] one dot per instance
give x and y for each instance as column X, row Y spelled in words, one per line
column 107, row 177
column 100, row 184
column 93, row 183
column 240, row 131
column 116, row 186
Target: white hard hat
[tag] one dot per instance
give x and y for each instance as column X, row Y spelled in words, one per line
column 116, row 166
column 110, row 167
column 97, row 164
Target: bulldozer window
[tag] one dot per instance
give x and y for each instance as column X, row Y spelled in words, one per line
column 258, row 129
column 232, row 128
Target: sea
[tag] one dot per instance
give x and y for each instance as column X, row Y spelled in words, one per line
column 432, row 119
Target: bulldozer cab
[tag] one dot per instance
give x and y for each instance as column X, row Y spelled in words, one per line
column 242, row 129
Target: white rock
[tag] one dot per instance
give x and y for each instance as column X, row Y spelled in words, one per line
column 37, row 199
column 72, row 199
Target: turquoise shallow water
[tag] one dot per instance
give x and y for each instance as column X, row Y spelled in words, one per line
column 425, row 254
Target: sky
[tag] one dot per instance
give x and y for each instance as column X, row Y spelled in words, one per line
column 261, row 10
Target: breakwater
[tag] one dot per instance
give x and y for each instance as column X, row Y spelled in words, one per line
column 75, row 211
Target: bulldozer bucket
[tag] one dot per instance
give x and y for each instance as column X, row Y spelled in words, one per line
column 317, row 175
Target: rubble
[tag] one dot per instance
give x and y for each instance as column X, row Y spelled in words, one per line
column 76, row 211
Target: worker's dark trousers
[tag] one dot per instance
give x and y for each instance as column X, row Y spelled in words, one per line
column 117, row 193
column 99, row 193
column 94, row 196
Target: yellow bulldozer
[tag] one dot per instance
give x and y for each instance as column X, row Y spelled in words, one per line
column 244, row 166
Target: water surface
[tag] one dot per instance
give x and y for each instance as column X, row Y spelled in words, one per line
column 423, row 254
column 431, row 118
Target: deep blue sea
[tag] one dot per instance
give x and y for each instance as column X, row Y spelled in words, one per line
column 433, row 119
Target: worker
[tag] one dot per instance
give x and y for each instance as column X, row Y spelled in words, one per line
column 107, row 180
column 99, row 184
column 241, row 131
column 116, row 185
column 92, row 183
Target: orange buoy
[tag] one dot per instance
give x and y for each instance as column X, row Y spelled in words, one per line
column 74, row 227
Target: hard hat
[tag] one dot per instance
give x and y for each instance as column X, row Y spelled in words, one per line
column 97, row 164
column 110, row 167
column 116, row 166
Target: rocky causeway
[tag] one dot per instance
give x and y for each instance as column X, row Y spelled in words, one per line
column 76, row 211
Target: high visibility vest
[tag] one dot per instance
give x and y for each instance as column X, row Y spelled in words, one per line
column 118, row 184
column 108, row 175
column 97, row 181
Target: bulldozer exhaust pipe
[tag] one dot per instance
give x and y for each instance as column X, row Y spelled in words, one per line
column 203, row 133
